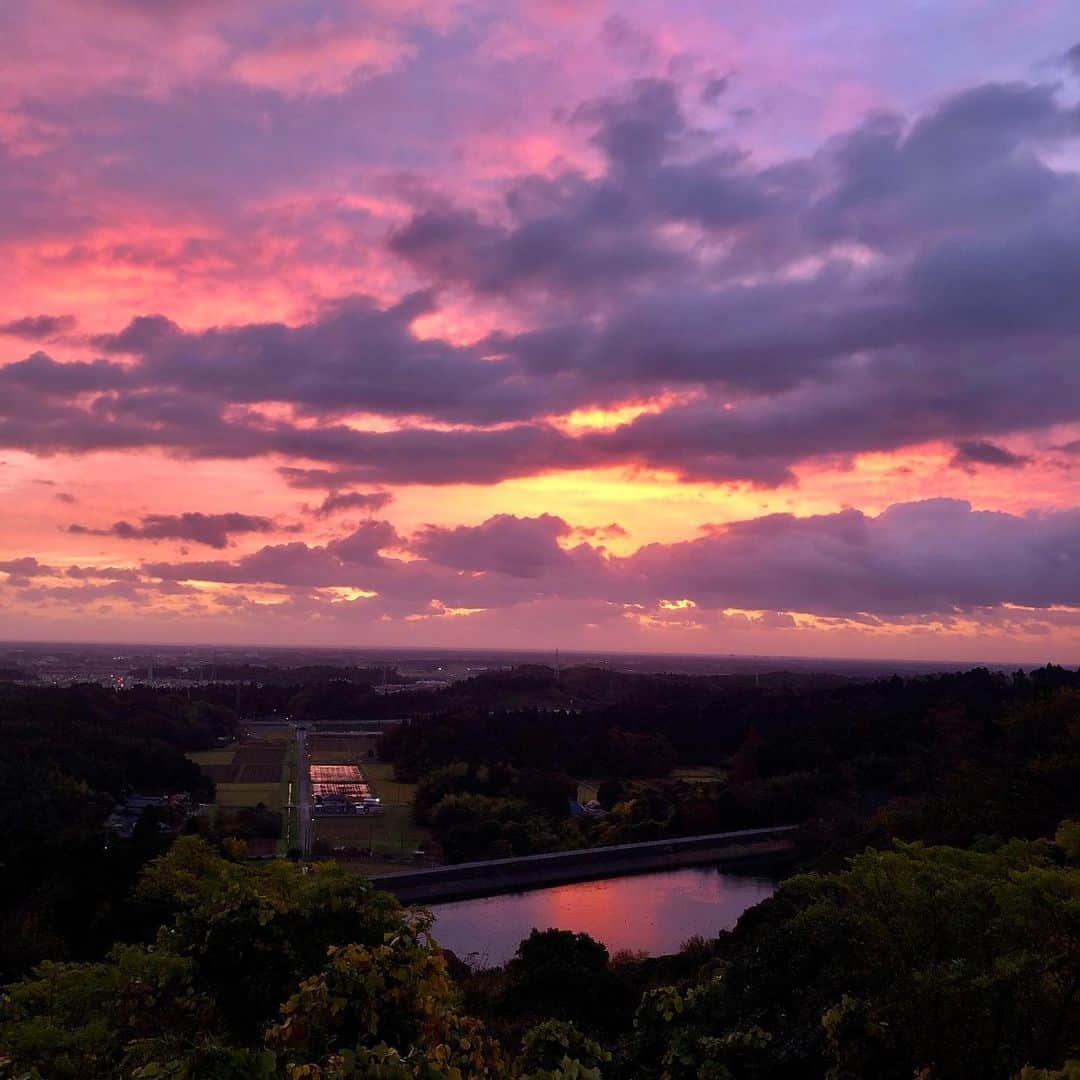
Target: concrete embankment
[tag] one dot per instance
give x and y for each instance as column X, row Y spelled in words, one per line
column 746, row 847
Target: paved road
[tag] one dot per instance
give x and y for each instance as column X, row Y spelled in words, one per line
column 303, row 795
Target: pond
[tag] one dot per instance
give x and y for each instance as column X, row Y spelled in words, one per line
column 652, row 913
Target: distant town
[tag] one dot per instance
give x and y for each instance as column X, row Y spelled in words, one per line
column 177, row 666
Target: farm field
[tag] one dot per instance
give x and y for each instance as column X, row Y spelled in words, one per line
column 391, row 791
column 260, row 768
column 392, row 832
column 236, row 795
column 255, row 770
column 269, row 731
column 213, row 757
column 288, row 787
column 343, row 749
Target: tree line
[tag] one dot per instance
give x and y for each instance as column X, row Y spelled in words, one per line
column 932, row 929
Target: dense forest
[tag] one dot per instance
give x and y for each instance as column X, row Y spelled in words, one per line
column 69, row 754
column 931, row 929
column 942, row 759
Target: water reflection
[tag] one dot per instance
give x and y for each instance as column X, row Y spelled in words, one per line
column 653, row 913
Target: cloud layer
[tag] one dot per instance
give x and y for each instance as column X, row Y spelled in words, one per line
column 932, row 562
column 289, row 269
column 908, row 281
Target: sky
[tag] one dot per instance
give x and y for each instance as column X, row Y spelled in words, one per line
column 683, row 327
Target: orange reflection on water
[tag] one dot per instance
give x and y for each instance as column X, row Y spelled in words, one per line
column 653, row 913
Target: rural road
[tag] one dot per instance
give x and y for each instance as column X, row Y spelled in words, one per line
column 303, row 794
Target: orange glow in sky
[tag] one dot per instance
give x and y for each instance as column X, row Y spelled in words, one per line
column 507, row 324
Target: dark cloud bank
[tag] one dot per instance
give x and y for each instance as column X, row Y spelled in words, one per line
column 909, row 281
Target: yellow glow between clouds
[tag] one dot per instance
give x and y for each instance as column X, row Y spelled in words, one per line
column 438, row 610
column 347, row 592
column 598, row 419
column 214, row 589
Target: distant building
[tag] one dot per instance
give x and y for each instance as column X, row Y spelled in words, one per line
column 591, row 809
column 125, row 815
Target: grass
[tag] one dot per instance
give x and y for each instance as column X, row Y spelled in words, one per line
column 270, row 733
column 336, row 757
column 273, row 795
column 379, row 770
column 233, row 795
column 212, row 757
column 400, row 833
column 391, row 833
column 381, row 777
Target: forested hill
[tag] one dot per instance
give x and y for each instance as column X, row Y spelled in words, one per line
column 941, row 758
column 67, row 754
column 934, row 932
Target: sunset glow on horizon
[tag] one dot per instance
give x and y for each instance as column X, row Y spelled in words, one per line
column 609, row 326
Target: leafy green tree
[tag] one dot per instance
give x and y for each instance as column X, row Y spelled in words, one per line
column 383, row 1009
column 1069, row 1071
column 137, row 1015
column 963, row 963
column 562, row 974
column 557, row 1050
column 1067, row 838
column 273, row 924
column 277, row 971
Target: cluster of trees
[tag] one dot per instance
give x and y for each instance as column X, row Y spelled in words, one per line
column 934, row 932
column 280, row 971
column 576, row 742
column 495, row 811
column 271, row 675
column 918, row 961
column 942, row 758
column 69, row 754
column 933, row 962
column 312, row 692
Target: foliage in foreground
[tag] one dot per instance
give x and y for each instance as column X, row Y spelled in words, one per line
column 917, row 962
column 936, row 963
column 261, row 973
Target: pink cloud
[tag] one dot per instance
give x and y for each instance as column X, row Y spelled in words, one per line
column 395, row 251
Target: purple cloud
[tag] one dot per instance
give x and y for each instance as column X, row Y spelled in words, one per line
column 505, row 544
column 213, row 530
column 904, row 281
column 970, row 454
column 25, row 567
column 38, row 327
column 370, row 501
column 934, row 558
